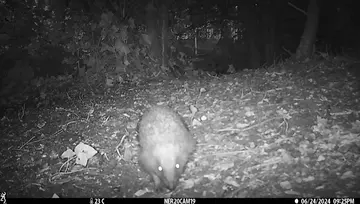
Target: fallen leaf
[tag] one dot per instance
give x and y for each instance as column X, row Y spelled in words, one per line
column 242, row 125
column 85, row 149
column 203, row 118
column 211, row 177
column 320, row 187
column 231, row 181
column 310, row 178
column 224, row 166
column 55, row 196
column 81, row 159
column 67, row 154
column 196, row 122
column 348, row 174
column 321, row 158
column 193, row 109
column 285, row 185
column 128, row 154
column 141, row 192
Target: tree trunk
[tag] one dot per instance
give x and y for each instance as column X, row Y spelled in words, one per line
column 252, row 36
column 164, row 36
column 153, row 30
column 268, row 25
column 305, row 48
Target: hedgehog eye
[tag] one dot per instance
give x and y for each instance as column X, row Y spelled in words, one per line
column 160, row 168
column 177, row 166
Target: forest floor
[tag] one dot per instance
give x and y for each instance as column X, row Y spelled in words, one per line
column 288, row 131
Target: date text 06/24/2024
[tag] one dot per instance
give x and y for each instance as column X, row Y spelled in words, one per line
column 325, row 201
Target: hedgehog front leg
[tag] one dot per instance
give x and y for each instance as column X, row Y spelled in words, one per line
column 157, row 182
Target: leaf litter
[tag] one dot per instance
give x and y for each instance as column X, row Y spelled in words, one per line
column 260, row 133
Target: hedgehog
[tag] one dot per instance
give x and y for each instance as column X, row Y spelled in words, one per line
column 165, row 146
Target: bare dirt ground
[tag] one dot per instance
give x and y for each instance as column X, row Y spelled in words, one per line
column 291, row 132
